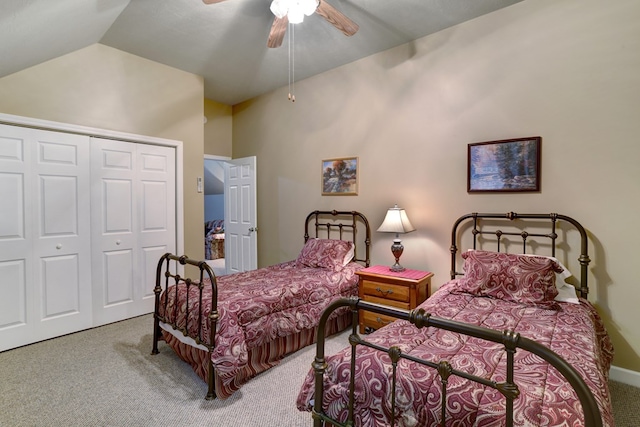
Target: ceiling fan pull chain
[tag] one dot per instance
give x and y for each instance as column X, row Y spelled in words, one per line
column 292, row 61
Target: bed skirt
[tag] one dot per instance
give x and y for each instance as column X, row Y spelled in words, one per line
column 260, row 358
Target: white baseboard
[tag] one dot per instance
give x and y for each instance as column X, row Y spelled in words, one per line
column 625, row 376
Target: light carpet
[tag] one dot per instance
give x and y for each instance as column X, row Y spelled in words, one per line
column 107, row 377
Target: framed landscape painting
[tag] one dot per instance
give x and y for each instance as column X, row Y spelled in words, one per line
column 510, row 165
column 340, row 177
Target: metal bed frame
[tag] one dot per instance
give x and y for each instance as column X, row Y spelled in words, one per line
column 511, row 340
column 346, row 225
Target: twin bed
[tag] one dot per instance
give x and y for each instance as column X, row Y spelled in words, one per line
column 233, row 327
column 502, row 343
column 507, row 341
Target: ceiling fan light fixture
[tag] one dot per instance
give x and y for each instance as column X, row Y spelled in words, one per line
column 294, row 10
column 279, row 8
column 295, row 14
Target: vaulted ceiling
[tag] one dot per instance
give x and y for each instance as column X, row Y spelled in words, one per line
column 225, row 42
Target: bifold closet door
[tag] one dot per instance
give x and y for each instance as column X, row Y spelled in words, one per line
column 133, row 224
column 45, row 265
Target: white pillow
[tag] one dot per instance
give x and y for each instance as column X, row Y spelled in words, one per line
column 349, row 256
column 567, row 293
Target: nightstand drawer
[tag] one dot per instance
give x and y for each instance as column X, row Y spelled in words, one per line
column 375, row 320
column 384, row 301
column 386, row 291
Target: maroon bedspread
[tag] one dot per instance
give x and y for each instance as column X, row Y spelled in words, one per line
column 575, row 332
column 259, row 306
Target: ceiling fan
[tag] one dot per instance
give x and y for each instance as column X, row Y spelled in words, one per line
column 293, row 11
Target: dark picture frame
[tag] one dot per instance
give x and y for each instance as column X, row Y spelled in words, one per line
column 509, row 165
column 340, row 177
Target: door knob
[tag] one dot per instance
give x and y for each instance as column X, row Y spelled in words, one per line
column 118, row 242
column 252, row 229
column 59, row 246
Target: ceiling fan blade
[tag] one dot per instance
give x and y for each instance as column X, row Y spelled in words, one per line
column 336, row 18
column 212, row 1
column 276, row 35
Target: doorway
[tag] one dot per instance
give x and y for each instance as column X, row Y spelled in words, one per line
column 214, row 209
column 231, row 241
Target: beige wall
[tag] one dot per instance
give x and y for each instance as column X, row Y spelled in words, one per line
column 567, row 70
column 102, row 87
column 217, row 128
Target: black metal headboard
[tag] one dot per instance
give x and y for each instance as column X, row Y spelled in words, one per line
column 343, row 225
column 487, row 225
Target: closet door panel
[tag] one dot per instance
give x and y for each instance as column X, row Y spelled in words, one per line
column 114, row 239
column 61, row 287
column 16, row 268
column 13, row 298
column 157, row 215
column 118, row 271
column 61, row 232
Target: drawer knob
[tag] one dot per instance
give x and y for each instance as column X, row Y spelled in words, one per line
column 384, row 292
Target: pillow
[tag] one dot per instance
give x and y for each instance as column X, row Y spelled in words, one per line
column 522, row 279
column 325, row 253
column 566, row 292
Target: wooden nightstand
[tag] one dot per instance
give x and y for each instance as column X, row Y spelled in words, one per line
column 404, row 289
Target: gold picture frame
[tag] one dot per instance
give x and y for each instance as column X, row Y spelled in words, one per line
column 339, row 177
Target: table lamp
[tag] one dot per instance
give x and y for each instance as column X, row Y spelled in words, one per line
column 396, row 221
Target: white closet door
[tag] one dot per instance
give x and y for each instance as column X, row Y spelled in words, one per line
column 133, row 222
column 156, row 215
column 44, row 235
column 62, row 228
column 16, row 258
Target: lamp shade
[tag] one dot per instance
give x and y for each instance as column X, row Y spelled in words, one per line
column 396, row 221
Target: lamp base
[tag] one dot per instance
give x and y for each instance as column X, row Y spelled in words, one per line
column 396, row 250
column 397, row 268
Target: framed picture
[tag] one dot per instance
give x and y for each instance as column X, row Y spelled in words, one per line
column 502, row 166
column 340, row 177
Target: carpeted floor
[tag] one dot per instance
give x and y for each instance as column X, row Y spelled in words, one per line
column 107, row 377
column 625, row 400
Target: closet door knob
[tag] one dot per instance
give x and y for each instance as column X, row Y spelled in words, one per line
column 118, row 242
column 59, row 246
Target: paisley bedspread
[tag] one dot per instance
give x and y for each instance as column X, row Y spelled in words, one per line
column 259, row 306
column 574, row 331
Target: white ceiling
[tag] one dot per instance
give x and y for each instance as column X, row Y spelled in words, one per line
column 224, row 42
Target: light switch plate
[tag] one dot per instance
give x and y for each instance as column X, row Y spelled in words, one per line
column 199, row 184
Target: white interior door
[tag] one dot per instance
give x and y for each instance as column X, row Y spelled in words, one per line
column 156, row 216
column 133, row 224
column 62, row 226
column 45, row 242
column 16, row 256
column 240, row 222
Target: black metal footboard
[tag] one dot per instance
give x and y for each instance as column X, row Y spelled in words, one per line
column 164, row 270
column 511, row 341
